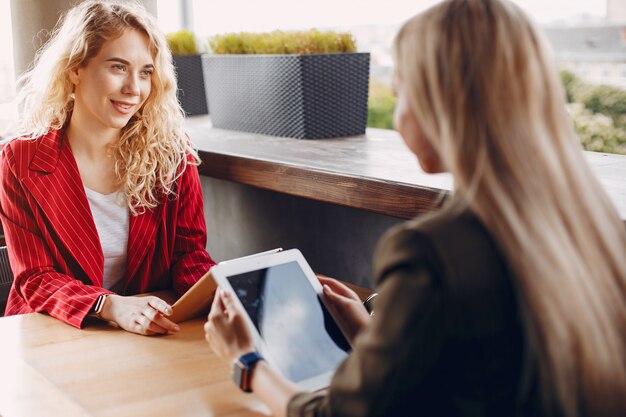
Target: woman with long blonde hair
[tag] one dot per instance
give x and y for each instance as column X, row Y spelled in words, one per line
column 511, row 300
column 101, row 197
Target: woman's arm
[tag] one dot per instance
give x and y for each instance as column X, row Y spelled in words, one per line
column 191, row 260
column 272, row 388
column 390, row 360
column 41, row 287
column 38, row 283
column 228, row 335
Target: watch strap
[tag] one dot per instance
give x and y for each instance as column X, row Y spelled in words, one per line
column 244, row 366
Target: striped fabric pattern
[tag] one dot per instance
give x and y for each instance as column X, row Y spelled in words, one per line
column 53, row 243
column 6, row 278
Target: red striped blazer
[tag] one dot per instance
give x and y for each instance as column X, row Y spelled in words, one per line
column 53, row 244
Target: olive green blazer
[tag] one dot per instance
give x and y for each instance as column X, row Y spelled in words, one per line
column 446, row 338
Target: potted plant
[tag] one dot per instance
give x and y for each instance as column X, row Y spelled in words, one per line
column 297, row 84
column 188, row 63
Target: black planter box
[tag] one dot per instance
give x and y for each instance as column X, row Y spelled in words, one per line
column 299, row 96
column 191, row 92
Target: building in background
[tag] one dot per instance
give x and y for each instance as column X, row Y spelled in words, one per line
column 597, row 54
column 594, row 50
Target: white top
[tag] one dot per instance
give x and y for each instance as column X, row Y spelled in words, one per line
column 110, row 214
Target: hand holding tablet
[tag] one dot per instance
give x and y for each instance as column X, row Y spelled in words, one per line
column 351, row 312
column 228, row 319
column 287, row 314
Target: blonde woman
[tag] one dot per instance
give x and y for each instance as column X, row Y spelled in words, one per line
column 511, row 300
column 101, row 197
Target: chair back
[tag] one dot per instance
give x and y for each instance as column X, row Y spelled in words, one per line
column 6, row 278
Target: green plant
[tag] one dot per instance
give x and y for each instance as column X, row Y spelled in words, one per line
column 278, row 42
column 597, row 131
column 605, row 99
column 183, row 42
column 598, row 112
column 380, row 106
column 571, row 83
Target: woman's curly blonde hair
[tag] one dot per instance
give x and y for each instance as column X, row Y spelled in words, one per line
column 153, row 150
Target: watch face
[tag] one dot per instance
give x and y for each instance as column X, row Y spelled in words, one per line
column 239, row 376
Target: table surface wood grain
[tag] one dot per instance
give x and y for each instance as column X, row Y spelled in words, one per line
column 374, row 172
column 49, row 369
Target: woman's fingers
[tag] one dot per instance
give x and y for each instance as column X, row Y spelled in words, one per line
column 226, row 330
column 143, row 325
column 326, row 280
column 335, row 296
column 151, row 321
column 159, row 321
column 160, row 306
column 229, row 303
column 329, row 291
column 217, row 307
column 142, row 315
column 339, row 288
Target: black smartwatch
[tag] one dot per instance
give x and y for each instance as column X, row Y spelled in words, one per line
column 243, row 368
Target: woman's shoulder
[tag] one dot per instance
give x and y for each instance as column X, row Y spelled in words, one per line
column 18, row 152
column 449, row 243
column 418, row 236
column 464, row 261
column 19, row 143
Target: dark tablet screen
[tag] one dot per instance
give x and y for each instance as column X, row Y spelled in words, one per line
column 301, row 336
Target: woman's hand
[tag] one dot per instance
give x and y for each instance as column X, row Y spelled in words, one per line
column 352, row 314
column 226, row 330
column 141, row 315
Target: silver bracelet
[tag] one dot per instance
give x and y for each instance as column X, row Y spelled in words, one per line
column 368, row 303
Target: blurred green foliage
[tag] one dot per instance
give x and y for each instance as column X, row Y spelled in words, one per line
column 570, row 83
column 380, row 106
column 598, row 113
column 597, row 131
column 607, row 100
column 279, row 42
column 183, row 42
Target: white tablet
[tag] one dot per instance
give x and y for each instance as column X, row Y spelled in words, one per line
column 286, row 310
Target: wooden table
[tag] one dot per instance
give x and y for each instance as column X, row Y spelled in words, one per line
column 49, row 369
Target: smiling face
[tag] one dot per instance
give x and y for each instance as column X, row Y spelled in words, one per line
column 406, row 123
column 114, row 84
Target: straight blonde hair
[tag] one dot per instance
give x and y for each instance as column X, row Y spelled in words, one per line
column 153, row 150
column 486, row 93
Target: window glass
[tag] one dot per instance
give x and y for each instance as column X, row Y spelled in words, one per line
column 7, row 75
column 588, row 38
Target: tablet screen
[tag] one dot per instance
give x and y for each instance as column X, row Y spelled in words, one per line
column 298, row 331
